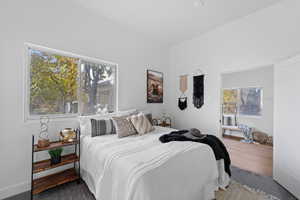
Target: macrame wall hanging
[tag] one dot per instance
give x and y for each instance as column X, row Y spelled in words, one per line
column 182, row 100
column 198, row 91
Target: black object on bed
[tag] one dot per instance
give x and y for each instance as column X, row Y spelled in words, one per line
column 215, row 143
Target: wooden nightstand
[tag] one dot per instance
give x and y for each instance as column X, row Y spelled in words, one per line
column 44, row 183
column 166, row 122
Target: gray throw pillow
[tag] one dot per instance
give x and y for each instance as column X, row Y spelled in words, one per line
column 102, row 127
column 149, row 117
column 123, row 126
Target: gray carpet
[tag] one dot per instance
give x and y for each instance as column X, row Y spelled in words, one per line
column 74, row 191
column 263, row 183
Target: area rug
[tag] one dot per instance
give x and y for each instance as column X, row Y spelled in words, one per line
column 237, row 191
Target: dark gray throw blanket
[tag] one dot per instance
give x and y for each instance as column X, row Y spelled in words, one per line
column 215, row 143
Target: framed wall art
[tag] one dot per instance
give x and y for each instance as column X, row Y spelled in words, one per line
column 154, row 86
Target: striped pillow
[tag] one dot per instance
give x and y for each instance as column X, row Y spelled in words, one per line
column 102, row 127
column 141, row 123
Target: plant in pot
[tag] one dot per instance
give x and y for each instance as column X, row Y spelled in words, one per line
column 55, row 155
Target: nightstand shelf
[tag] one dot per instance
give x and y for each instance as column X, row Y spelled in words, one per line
column 44, row 165
column 53, row 180
column 164, row 122
column 54, row 145
column 43, row 183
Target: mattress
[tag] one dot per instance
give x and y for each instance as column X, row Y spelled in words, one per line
column 143, row 168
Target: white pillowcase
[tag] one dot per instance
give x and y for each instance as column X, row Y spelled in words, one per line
column 85, row 121
column 141, row 123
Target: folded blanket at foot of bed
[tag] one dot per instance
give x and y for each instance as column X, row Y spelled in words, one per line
column 215, row 143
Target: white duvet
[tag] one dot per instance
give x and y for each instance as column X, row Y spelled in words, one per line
column 143, row 168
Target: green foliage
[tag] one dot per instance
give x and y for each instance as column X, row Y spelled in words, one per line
column 91, row 75
column 55, row 87
column 54, row 153
column 53, row 82
column 230, row 95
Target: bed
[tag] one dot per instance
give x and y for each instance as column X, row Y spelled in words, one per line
column 143, row 168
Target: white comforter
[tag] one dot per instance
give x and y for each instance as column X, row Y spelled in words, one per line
column 142, row 168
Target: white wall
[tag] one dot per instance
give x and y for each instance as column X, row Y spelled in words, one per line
column 256, row 40
column 260, row 39
column 261, row 77
column 286, row 121
column 65, row 26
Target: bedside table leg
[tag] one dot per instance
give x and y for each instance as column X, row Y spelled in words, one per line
column 32, row 161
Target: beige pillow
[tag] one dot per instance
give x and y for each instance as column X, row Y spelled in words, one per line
column 123, row 126
column 141, row 123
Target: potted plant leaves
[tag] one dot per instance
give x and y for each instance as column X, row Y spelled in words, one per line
column 55, row 155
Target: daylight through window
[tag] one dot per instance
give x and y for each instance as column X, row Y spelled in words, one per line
column 243, row 101
column 62, row 84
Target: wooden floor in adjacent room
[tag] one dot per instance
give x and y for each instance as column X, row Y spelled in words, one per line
column 256, row 158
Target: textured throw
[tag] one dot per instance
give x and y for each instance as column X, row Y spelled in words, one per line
column 123, row 126
column 214, row 142
column 141, row 168
column 102, row 127
column 141, row 123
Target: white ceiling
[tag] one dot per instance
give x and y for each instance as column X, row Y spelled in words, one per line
column 172, row 21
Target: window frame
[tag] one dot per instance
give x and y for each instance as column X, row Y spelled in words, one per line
column 238, row 101
column 27, row 115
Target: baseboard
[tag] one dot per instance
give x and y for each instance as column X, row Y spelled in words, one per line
column 233, row 137
column 14, row 190
column 237, row 138
column 288, row 181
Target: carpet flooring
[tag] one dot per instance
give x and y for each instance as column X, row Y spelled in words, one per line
column 74, row 191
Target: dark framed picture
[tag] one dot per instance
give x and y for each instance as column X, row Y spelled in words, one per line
column 155, row 87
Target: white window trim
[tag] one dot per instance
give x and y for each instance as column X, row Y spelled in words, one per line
column 27, row 116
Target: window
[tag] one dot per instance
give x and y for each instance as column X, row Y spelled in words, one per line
column 64, row 84
column 250, row 101
column 97, row 88
column 243, row 101
column 230, row 99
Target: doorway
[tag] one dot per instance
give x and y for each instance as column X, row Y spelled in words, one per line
column 247, row 118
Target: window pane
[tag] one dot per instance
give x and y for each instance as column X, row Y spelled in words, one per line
column 97, row 88
column 53, row 83
column 230, row 95
column 230, row 101
column 250, row 101
column 229, row 108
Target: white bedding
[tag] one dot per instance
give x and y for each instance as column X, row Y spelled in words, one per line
column 143, row 168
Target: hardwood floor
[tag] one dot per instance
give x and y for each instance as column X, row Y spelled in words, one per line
column 251, row 157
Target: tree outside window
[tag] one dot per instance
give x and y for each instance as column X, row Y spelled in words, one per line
column 66, row 85
column 243, row 101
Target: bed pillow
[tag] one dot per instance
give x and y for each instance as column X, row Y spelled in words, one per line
column 85, row 121
column 102, row 127
column 141, row 123
column 149, row 117
column 123, row 126
column 148, row 114
column 126, row 113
